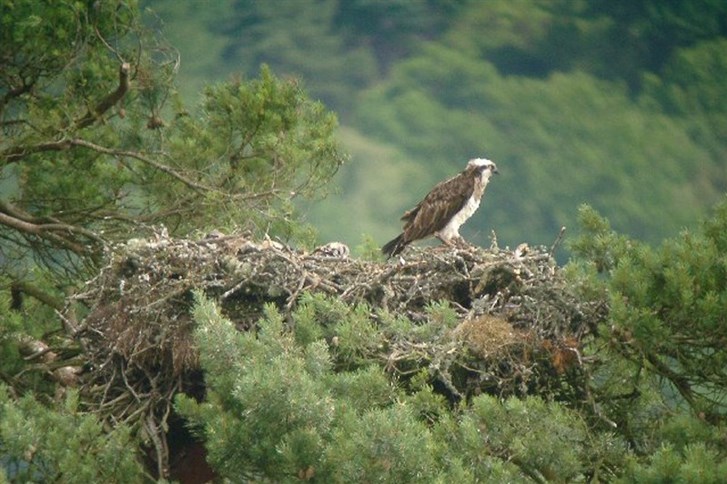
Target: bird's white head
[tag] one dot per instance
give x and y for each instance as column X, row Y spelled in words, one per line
column 483, row 166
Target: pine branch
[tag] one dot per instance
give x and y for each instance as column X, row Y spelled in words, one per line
column 106, row 103
column 138, row 156
column 18, row 153
column 49, row 232
column 23, row 287
column 680, row 382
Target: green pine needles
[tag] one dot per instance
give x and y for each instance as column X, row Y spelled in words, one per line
column 278, row 409
column 62, row 444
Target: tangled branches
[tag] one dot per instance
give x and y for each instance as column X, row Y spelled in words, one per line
column 519, row 324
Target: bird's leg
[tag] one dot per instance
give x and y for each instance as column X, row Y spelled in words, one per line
column 456, row 241
column 460, row 243
column 450, row 242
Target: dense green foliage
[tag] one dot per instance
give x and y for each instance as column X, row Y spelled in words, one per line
column 618, row 104
column 300, row 417
column 669, row 306
column 63, row 444
column 96, row 144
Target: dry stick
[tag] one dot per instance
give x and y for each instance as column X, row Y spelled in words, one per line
column 293, row 297
column 160, row 446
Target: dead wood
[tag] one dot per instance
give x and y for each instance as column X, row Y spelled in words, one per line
column 521, row 330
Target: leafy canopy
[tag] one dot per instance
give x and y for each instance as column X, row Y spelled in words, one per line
column 97, row 145
column 669, row 306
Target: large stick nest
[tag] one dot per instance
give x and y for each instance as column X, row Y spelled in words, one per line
column 522, row 324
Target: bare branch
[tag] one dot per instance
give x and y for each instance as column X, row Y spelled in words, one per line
column 20, row 152
column 111, row 99
column 33, row 229
column 138, row 156
column 47, row 223
column 108, row 46
column 55, row 232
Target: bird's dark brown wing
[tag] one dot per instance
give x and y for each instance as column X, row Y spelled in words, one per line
column 438, row 207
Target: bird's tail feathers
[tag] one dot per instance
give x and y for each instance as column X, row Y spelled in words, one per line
column 394, row 246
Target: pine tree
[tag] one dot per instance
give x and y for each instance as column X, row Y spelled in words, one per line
column 303, row 415
column 97, row 148
column 41, row 444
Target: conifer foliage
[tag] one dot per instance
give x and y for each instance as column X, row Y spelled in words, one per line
column 96, row 143
column 301, row 419
column 669, row 306
column 62, row 444
column 128, row 347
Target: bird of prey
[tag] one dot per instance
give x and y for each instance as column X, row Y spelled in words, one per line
column 445, row 208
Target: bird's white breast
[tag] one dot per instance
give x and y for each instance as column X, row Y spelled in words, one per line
column 451, row 230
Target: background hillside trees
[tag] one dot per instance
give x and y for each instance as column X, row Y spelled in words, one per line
column 562, row 137
column 579, row 101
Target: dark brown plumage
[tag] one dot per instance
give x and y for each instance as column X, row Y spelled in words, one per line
column 445, row 208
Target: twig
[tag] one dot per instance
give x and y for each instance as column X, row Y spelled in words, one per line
column 112, row 98
column 138, row 156
column 160, row 446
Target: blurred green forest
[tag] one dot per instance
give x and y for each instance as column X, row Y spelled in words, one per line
column 620, row 104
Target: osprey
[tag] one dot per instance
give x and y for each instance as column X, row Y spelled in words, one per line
column 445, row 208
